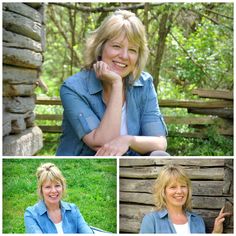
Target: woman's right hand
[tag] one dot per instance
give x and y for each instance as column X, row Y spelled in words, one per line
column 218, row 225
column 104, row 73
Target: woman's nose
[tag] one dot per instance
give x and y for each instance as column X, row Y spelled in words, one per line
column 124, row 53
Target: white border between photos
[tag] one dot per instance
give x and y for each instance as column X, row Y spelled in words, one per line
column 118, row 159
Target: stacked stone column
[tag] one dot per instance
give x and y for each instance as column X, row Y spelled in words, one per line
column 23, row 46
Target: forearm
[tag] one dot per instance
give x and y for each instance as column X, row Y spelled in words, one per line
column 146, row 144
column 109, row 127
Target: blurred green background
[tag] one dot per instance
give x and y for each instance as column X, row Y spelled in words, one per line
column 91, row 185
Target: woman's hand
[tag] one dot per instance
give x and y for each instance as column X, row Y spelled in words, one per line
column 218, row 225
column 116, row 147
column 104, row 73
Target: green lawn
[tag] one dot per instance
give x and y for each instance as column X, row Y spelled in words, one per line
column 91, row 185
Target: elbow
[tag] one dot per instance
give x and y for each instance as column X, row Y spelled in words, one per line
column 162, row 144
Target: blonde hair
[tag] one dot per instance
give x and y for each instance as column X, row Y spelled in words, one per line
column 49, row 172
column 119, row 22
column 166, row 176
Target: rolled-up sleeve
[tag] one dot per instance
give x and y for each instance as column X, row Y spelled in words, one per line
column 78, row 112
column 31, row 225
column 152, row 120
column 82, row 226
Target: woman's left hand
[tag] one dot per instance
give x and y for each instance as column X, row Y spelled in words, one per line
column 218, row 225
column 116, row 147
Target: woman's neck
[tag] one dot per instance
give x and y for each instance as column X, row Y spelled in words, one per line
column 177, row 215
column 52, row 207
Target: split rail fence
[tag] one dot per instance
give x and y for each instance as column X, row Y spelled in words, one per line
column 214, row 109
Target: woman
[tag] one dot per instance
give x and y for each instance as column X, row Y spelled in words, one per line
column 172, row 193
column 51, row 214
column 110, row 107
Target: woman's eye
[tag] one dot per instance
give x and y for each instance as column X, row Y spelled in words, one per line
column 133, row 50
column 116, row 46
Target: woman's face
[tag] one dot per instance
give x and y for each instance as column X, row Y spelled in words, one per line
column 52, row 192
column 120, row 55
column 176, row 194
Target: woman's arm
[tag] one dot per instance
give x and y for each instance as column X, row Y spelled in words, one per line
column 31, row 226
column 140, row 144
column 83, row 227
column 218, row 225
column 109, row 127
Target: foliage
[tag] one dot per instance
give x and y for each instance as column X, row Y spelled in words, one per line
column 197, row 52
column 198, row 49
column 91, row 185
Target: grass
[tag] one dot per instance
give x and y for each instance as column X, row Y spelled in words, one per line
column 91, row 185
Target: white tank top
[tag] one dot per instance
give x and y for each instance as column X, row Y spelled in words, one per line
column 123, row 127
column 182, row 229
column 59, row 227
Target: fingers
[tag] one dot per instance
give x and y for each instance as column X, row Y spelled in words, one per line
column 100, row 68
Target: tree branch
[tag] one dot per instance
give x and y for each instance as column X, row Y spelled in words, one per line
column 103, row 9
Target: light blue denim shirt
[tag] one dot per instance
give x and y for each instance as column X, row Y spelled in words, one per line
column 159, row 222
column 81, row 96
column 37, row 220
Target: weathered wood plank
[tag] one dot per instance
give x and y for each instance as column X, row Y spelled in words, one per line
column 48, row 101
column 208, row 93
column 177, row 161
column 48, row 117
column 152, row 172
column 163, row 103
column 195, row 103
column 204, row 188
column 197, row 201
column 221, row 112
column 50, row 129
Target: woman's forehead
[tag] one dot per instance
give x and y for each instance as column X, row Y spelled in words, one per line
column 50, row 181
column 176, row 180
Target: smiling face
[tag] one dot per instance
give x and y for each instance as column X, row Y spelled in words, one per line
column 120, row 55
column 52, row 192
column 176, row 194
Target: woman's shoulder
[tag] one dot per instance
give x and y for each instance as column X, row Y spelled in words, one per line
column 69, row 205
column 79, row 76
column 154, row 215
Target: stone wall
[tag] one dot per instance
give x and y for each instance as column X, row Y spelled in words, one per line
column 23, row 45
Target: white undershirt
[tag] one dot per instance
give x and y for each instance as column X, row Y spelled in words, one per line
column 182, row 229
column 59, row 227
column 123, row 127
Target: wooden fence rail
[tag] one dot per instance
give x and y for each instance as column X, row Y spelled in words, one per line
column 217, row 113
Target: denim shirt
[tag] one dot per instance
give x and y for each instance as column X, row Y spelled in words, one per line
column 37, row 219
column 81, row 96
column 159, row 222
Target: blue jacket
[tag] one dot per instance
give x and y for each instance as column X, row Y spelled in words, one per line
column 159, row 222
column 37, row 220
column 81, row 96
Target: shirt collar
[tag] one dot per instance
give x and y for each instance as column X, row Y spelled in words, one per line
column 95, row 85
column 163, row 213
column 42, row 207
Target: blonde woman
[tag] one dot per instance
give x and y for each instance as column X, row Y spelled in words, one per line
column 51, row 214
column 173, row 193
column 111, row 107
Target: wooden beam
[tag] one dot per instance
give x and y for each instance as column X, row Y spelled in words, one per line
column 197, row 162
column 195, row 103
column 209, row 93
column 152, row 172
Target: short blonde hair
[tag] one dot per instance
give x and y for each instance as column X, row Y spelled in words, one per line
column 49, row 172
column 166, row 176
column 119, row 22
